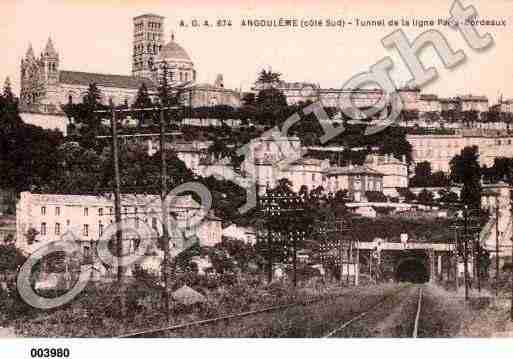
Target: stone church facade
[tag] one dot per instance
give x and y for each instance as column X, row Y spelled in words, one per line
column 45, row 87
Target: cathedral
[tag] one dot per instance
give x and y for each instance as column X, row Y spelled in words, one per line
column 45, row 87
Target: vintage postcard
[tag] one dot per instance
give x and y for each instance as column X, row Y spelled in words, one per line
column 272, row 169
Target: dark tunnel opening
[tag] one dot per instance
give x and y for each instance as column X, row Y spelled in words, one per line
column 412, row 270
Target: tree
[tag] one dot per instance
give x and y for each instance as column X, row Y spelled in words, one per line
column 7, row 93
column 408, row 195
column 78, row 170
column 11, row 258
column 9, row 115
column 142, row 100
column 268, row 77
column 448, row 196
column 439, row 179
column 164, row 89
column 27, row 156
column 249, row 99
column 426, row 197
column 241, row 252
column 375, row 196
column 271, row 100
column 93, row 97
column 501, row 169
column 465, row 169
column 219, row 149
column 87, row 121
column 431, row 116
column 422, row 174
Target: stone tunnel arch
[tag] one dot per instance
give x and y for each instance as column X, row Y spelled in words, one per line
column 412, row 267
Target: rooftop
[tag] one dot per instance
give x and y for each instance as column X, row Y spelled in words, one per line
column 173, row 51
column 353, row 170
column 104, row 80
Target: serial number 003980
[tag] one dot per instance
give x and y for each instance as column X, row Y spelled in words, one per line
column 49, row 353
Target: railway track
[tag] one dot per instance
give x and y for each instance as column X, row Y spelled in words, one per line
column 159, row 332
column 347, row 324
column 228, row 318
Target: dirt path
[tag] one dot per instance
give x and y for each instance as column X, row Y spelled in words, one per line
column 394, row 318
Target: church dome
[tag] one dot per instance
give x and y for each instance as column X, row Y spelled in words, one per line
column 173, row 51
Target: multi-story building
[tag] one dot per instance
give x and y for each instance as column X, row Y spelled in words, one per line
column 350, row 98
column 429, row 103
column 410, row 98
column 449, row 104
column 473, row 103
column 273, row 158
column 440, row 149
column 505, row 106
column 395, row 171
column 308, row 172
column 264, row 155
column 296, row 92
column 43, row 218
column 355, row 179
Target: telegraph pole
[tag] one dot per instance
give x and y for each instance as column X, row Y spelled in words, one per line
column 269, row 255
column 511, row 211
column 497, row 246
column 456, row 260
column 341, row 265
column 465, row 250
column 165, row 212
column 294, row 260
column 117, row 210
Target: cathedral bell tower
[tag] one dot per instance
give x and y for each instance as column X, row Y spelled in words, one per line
column 147, row 43
column 50, row 64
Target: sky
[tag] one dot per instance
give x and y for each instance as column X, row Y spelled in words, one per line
column 96, row 36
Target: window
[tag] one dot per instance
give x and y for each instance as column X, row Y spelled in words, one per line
column 57, row 229
column 68, row 222
column 43, row 211
column 100, row 211
column 154, row 223
column 87, row 255
column 85, row 231
column 100, row 228
column 86, row 211
column 110, row 210
column 57, row 211
column 43, row 229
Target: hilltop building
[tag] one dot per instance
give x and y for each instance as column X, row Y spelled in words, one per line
column 45, row 86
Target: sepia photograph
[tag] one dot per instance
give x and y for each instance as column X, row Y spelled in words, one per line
column 254, row 170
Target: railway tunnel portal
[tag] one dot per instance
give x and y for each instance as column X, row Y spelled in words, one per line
column 416, row 262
